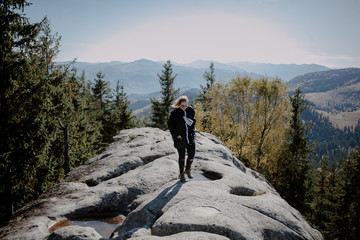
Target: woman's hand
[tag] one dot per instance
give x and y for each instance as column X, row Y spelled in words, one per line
column 179, row 137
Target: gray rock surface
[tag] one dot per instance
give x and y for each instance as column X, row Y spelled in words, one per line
column 75, row 232
column 137, row 177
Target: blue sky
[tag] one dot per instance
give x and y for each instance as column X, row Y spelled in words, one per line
column 323, row 32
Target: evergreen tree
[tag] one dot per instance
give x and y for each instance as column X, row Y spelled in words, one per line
column 102, row 98
column 210, row 80
column 35, row 93
column 82, row 118
column 161, row 109
column 355, row 195
column 321, row 205
column 348, row 221
column 30, row 84
column 329, row 224
column 291, row 174
column 122, row 117
column 13, row 36
column 203, row 98
column 101, row 92
column 46, row 103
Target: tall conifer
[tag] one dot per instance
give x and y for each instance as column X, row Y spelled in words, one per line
column 293, row 167
column 203, row 98
column 348, row 221
column 29, row 97
column 161, row 108
column 102, row 98
column 122, row 117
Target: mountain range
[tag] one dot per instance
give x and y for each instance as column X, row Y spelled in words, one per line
column 334, row 92
column 140, row 76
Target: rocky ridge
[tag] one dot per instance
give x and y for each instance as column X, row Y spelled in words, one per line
column 136, row 178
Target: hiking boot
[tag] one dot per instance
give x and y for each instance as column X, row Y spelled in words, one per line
column 182, row 177
column 188, row 173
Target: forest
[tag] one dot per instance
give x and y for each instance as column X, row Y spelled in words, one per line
column 42, row 104
column 333, row 142
column 272, row 132
column 46, row 108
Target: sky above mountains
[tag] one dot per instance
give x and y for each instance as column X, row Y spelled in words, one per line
column 271, row 31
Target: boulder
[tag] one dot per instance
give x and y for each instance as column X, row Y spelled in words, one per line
column 136, row 178
column 74, row 233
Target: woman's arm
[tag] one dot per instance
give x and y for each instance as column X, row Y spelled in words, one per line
column 171, row 125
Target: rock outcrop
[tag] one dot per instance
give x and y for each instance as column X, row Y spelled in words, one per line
column 136, row 178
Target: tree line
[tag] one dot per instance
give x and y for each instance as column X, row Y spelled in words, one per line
column 40, row 101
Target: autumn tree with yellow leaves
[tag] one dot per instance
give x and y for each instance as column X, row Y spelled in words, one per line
column 249, row 116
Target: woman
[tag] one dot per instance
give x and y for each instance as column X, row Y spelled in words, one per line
column 182, row 128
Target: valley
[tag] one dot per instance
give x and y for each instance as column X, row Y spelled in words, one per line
column 335, row 94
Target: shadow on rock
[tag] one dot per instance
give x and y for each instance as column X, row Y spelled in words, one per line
column 114, row 203
column 144, row 217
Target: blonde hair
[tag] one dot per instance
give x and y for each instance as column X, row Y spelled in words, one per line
column 179, row 100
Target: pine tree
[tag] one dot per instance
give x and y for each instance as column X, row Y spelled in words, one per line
column 321, row 205
column 30, row 84
column 101, row 92
column 16, row 34
column 102, row 98
column 161, row 109
column 52, row 101
column 88, row 123
column 348, row 220
column 291, row 174
column 203, row 98
column 35, row 93
column 333, row 199
column 122, row 117
column 355, row 207
column 81, row 116
column 210, row 80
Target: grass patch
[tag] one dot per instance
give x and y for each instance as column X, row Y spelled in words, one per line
column 131, row 137
column 259, row 193
column 342, row 119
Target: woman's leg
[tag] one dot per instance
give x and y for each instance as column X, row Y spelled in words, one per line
column 181, row 159
column 190, row 159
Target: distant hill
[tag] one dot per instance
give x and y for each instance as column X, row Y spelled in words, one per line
column 326, row 80
column 284, row 71
column 204, row 64
column 140, row 76
column 335, row 93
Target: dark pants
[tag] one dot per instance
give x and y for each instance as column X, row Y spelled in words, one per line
column 191, row 154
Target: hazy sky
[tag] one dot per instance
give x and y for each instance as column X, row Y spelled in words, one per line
column 324, row 32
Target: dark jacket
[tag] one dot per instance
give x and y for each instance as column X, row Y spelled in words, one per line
column 177, row 125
